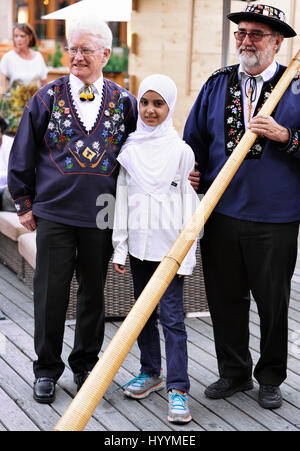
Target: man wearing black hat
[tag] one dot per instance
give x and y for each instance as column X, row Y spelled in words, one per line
column 250, row 240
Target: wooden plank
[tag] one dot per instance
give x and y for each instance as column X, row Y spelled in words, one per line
column 12, row 415
column 291, row 397
column 157, row 402
column 21, row 393
column 238, row 420
column 2, row 427
column 108, row 417
column 115, row 411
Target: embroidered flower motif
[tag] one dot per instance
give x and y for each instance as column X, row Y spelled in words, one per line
column 69, row 163
column 105, row 165
column 57, row 115
column 114, row 125
column 96, row 145
column 116, row 117
column 60, row 123
column 294, row 142
column 67, row 123
column 79, row 144
column 234, row 128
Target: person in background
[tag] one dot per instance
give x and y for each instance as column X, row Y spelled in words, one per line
column 64, row 158
column 6, row 142
column 23, row 65
column 250, row 240
column 22, row 72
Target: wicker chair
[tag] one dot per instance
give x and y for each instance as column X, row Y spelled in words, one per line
column 118, row 292
column 10, row 231
column 17, row 251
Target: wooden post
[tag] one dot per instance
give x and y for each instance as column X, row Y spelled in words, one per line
column 190, row 34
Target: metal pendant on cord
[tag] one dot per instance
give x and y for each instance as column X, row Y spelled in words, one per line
column 251, row 92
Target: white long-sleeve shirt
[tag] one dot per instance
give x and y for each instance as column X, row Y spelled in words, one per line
column 146, row 226
column 5, row 148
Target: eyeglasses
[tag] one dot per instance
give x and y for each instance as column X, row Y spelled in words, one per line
column 84, row 51
column 255, row 36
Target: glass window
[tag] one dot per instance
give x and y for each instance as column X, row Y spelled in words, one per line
column 31, row 11
column 21, row 11
column 60, row 24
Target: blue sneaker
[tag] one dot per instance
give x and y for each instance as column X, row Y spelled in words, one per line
column 179, row 411
column 141, row 386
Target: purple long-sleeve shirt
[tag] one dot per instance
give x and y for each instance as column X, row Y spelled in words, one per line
column 56, row 167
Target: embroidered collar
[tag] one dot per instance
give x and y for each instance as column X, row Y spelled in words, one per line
column 233, row 116
column 266, row 75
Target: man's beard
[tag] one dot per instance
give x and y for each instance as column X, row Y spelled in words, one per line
column 257, row 59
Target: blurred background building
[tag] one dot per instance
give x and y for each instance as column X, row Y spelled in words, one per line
column 185, row 39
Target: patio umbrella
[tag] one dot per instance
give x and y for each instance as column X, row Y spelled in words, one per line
column 108, row 11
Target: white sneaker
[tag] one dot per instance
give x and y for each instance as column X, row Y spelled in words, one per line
column 141, row 386
column 179, row 411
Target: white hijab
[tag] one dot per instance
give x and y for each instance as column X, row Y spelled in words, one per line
column 151, row 155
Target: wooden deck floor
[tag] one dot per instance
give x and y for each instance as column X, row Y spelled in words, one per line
column 18, row 411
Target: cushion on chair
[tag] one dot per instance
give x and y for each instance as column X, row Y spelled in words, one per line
column 10, row 225
column 27, row 247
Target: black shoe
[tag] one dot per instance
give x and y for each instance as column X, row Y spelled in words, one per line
column 224, row 387
column 79, row 378
column 269, row 397
column 44, row 390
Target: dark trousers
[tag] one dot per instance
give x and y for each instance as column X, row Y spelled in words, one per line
column 171, row 317
column 239, row 257
column 61, row 249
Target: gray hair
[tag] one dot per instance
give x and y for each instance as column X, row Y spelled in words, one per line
column 276, row 34
column 93, row 26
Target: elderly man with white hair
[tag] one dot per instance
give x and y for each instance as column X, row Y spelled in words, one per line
column 63, row 158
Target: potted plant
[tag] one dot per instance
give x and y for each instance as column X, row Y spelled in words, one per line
column 117, row 67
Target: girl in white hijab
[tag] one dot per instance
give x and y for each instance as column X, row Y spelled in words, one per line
column 154, row 200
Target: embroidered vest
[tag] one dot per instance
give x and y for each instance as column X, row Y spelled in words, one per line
column 72, row 148
column 234, row 126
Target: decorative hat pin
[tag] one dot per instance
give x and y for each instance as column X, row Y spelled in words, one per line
column 87, row 93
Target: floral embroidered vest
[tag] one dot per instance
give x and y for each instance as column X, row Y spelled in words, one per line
column 234, row 126
column 73, row 149
column 59, row 168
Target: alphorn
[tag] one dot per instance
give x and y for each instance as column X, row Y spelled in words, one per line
column 77, row 415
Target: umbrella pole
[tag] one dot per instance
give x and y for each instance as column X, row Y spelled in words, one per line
column 83, row 405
